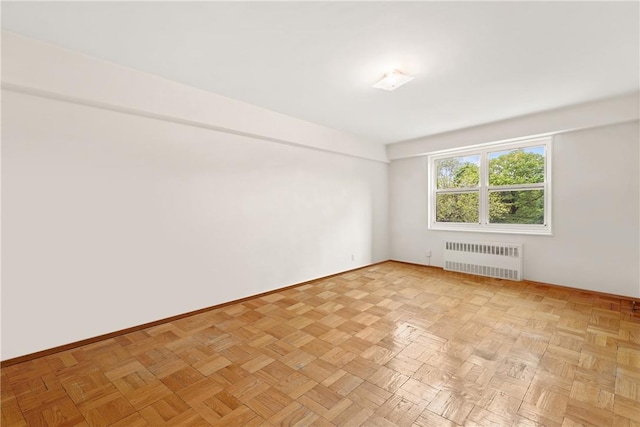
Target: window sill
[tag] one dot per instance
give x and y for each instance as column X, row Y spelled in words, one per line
column 532, row 231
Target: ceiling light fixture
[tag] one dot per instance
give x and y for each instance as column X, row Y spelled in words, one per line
column 392, row 80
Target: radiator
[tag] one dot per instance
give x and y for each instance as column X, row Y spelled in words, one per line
column 501, row 260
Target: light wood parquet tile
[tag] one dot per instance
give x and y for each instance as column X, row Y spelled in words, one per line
column 387, row 345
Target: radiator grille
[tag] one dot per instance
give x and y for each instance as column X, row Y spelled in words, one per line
column 501, row 260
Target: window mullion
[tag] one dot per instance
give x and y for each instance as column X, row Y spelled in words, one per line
column 483, row 216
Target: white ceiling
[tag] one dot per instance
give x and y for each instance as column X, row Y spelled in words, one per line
column 473, row 62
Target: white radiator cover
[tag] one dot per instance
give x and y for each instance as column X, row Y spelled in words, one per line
column 500, row 260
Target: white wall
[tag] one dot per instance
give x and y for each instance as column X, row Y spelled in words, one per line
column 596, row 216
column 144, row 200
column 112, row 220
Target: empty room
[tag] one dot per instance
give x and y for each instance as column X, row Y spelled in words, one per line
column 320, row 213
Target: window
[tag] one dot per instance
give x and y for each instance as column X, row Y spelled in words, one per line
column 502, row 188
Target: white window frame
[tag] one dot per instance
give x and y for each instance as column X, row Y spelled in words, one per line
column 484, row 189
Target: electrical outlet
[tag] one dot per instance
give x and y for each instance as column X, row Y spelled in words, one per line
column 428, row 254
column 353, row 258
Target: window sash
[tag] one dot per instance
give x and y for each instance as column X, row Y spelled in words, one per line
column 484, row 224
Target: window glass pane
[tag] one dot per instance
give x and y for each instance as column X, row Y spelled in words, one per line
column 458, row 172
column 516, row 207
column 520, row 166
column 457, row 207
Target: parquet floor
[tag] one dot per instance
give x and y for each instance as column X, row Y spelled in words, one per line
column 391, row 344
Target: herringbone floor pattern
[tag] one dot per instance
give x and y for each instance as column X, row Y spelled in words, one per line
column 391, row 344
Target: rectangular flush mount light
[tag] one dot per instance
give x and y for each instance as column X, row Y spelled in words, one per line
column 392, row 80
